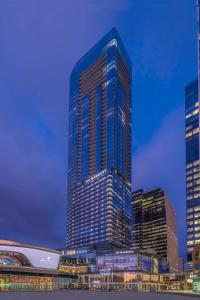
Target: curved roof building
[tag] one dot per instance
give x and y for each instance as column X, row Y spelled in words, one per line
column 14, row 254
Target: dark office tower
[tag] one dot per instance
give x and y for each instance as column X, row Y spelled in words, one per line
column 99, row 168
column 192, row 167
column 154, row 225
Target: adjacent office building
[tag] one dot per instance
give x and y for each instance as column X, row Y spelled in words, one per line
column 192, row 166
column 154, row 225
column 192, row 92
column 99, row 167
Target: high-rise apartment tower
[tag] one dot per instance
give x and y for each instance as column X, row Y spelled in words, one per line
column 99, row 166
column 192, row 167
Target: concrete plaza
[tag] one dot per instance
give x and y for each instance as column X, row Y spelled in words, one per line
column 89, row 295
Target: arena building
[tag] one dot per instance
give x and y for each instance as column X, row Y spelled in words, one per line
column 27, row 267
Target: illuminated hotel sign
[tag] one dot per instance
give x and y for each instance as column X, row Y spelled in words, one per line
column 122, row 252
column 96, row 176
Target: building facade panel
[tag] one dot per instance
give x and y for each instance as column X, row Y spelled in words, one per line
column 99, row 212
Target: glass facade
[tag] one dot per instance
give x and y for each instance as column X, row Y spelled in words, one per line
column 154, row 225
column 107, row 261
column 192, row 157
column 192, row 167
column 99, row 166
column 81, row 261
column 130, row 261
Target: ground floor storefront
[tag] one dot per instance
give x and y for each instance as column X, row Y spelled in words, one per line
column 133, row 282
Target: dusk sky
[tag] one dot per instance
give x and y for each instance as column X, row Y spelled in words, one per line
column 40, row 41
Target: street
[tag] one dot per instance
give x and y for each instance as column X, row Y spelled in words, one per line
column 89, row 295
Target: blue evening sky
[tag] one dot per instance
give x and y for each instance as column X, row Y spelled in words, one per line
column 40, row 41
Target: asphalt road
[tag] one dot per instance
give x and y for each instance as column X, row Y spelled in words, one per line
column 89, row 295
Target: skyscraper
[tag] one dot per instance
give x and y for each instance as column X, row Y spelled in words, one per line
column 192, row 166
column 99, row 166
column 192, row 96
column 154, row 225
